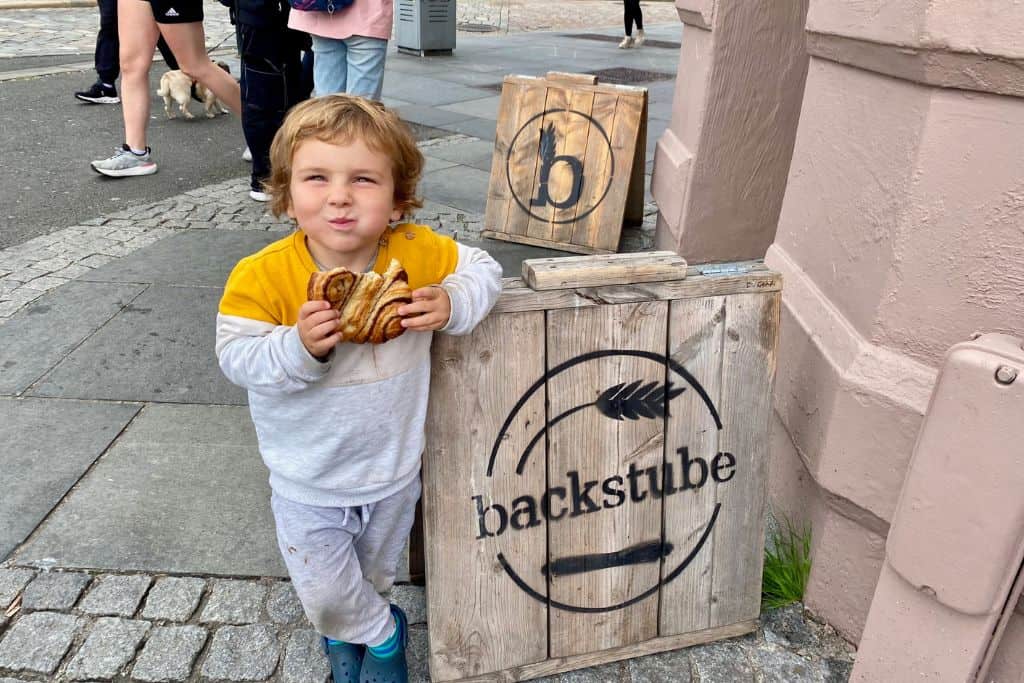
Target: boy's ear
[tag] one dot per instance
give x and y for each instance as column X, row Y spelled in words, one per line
column 396, row 215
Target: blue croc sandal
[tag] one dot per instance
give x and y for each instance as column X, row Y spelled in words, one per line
column 394, row 669
column 346, row 660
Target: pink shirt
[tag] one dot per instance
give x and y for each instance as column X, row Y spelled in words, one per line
column 367, row 18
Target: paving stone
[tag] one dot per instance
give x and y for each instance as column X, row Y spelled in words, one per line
column 304, row 660
column 169, row 653
column 604, row 673
column 37, row 642
column 417, row 656
column 778, row 665
column 111, row 644
column 11, row 583
column 54, row 590
column 723, row 662
column 157, row 349
column 787, row 626
column 665, row 667
column 283, row 605
column 234, row 602
column 99, row 524
column 839, row 670
column 413, row 600
column 242, row 653
column 116, row 595
column 174, row 598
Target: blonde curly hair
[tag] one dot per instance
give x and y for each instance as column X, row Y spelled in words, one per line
column 340, row 119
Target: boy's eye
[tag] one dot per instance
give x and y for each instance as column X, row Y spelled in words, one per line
column 364, row 179
column 315, row 176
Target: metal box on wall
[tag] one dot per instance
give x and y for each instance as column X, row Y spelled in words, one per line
column 425, row 27
column 594, row 477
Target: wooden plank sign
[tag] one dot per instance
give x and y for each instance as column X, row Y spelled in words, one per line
column 594, row 479
column 568, row 165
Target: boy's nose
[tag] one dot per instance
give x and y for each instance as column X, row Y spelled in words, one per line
column 340, row 194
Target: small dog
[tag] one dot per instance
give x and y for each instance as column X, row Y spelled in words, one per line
column 175, row 86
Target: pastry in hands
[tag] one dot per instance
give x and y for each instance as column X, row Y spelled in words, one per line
column 368, row 302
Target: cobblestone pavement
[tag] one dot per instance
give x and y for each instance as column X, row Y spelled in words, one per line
column 71, row 626
column 36, row 32
column 32, row 268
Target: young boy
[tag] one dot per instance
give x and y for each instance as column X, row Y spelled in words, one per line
column 341, row 425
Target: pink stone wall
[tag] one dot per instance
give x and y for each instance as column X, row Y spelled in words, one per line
column 901, row 233
column 720, row 168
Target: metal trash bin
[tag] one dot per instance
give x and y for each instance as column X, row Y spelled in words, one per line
column 425, row 27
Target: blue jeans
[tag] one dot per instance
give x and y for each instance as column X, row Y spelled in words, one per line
column 353, row 65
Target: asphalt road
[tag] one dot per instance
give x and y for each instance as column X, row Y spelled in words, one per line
column 48, row 138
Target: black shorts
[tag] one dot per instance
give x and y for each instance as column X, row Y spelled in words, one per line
column 177, row 11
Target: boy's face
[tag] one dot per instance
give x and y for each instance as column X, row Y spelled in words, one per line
column 342, row 197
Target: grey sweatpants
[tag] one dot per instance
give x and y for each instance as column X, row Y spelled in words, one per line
column 341, row 559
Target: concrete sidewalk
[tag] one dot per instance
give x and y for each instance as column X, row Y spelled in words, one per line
column 135, row 532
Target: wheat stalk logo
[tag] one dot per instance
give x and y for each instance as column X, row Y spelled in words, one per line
column 631, row 401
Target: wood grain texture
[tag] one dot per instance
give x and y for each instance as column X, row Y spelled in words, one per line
column 748, row 373
column 634, row 212
column 600, row 165
column 596, row 447
column 696, row 331
column 574, row 143
column 607, row 227
column 517, row 295
column 523, row 168
column 499, row 200
column 479, row 620
column 554, row 123
column 579, row 79
column 648, row 647
column 545, row 128
column 548, row 244
column 596, row 271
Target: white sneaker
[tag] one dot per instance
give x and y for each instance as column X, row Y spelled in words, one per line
column 626, row 42
column 258, row 196
column 125, row 163
column 640, row 38
column 246, row 155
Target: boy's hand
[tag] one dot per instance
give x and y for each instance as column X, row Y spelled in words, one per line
column 429, row 310
column 318, row 327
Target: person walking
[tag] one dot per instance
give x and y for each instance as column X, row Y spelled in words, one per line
column 140, row 24
column 349, row 46
column 275, row 77
column 108, row 65
column 632, row 14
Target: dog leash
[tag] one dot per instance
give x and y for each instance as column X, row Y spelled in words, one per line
column 220, row 43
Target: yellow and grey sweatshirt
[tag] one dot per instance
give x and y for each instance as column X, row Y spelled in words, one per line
column 348, row 431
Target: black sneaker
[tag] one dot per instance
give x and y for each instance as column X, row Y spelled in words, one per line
column 99, row 94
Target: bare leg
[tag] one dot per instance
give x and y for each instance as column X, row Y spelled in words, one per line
column 188, row 43
column 138, row 34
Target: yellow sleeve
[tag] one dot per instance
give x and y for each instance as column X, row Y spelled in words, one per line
column 428, row 258
column 246, row 297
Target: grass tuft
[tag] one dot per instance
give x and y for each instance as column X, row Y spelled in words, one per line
column 787, row 564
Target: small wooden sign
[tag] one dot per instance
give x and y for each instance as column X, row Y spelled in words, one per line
column 615, row 269
column 595, row 471
column 568, row 166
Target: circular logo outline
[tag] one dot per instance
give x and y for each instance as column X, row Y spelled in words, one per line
column 508, row 163
column 669, row 363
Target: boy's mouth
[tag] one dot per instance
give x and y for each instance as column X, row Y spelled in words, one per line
column 342, row 222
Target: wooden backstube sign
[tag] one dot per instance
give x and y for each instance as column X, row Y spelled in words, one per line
column 568, row 164
column 595, row 470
